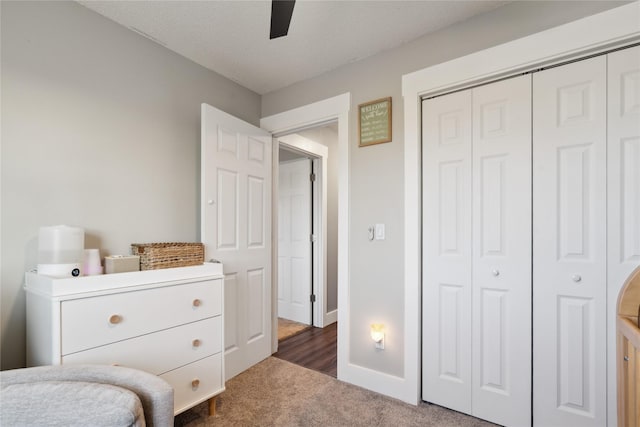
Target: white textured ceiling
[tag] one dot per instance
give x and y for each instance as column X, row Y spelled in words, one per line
column 232, row 37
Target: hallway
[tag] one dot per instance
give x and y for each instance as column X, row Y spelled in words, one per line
column 313, row 348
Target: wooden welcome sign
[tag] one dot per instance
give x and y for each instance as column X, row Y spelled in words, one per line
column 374, row 122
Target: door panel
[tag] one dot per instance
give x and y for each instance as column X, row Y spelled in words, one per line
column 573, row 206
column 294, row 244
column 575, row 331
column 623, row 193
column 257, row 302
column 446, row 341
column 236, row 229
column 227, row 210
column 256, row 212
column 493, row 357
column 501, row 310
column 231, row 327
column 449, row 345
column 569, row 245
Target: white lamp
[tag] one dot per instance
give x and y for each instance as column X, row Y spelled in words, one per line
column 377, row 335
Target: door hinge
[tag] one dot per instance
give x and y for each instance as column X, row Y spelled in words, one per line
column 312, row 177
column 312, row 238
column 313, row 298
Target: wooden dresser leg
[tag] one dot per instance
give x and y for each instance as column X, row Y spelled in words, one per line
column 212, row 406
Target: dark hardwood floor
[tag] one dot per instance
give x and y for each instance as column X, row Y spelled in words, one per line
column 313, row 348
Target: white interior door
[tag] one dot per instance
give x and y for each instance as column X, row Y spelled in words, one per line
column 446, row 336
column 501, row 310
column 569, row 244
column 236, row 230
column 623, row 194
column 294, row 242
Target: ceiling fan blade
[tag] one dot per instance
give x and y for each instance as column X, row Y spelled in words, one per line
column 281, row 11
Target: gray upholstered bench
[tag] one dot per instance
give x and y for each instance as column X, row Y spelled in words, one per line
column 83, row 395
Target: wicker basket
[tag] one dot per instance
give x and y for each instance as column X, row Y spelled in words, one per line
column 154, row 256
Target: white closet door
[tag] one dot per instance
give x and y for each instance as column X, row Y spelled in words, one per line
column 502, row 252
column 447, row 251
column 569, row 245
column 623, row 145
column 294, row 243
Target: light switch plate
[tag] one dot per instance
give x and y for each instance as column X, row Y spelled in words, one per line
column 379, row 231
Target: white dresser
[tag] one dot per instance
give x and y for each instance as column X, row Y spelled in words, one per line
column 167, row 322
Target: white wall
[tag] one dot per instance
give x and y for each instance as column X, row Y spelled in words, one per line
column 376, row 290
column 100, row 129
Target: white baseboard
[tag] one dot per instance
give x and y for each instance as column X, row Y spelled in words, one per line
column 379, row 382
column 330, row 317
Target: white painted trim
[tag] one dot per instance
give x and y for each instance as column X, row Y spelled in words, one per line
column 313, row 114
column 320, row 155
column 320, row 227
column 308, row 115
column 613, row 28
column 412, row 252
column 331, row 317
column 275, row 196
column 379, row 382
column 603, row 31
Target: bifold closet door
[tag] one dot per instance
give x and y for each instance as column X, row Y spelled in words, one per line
column 501, row 278
column 569, row 244
column 477, row 251
column 623, row 173
column 446, row 341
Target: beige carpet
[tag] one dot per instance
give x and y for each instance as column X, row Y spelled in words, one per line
column 288, row 328
column 279, row 393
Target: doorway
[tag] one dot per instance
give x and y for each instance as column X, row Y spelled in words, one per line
column 306, row 193
column 296, row 212
column 335, row 109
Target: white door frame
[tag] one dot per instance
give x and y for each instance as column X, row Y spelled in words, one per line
column 315, row 114
column 598, row 33
column 319, row 155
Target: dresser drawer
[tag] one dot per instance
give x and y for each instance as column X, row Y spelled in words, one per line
column 92, row 322
column 178, row 346
column 195, row 382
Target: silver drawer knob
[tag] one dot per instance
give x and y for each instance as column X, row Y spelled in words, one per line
column 576, row 278
column 496, row 272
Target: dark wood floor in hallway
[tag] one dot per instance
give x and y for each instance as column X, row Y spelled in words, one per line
column 313, row 348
